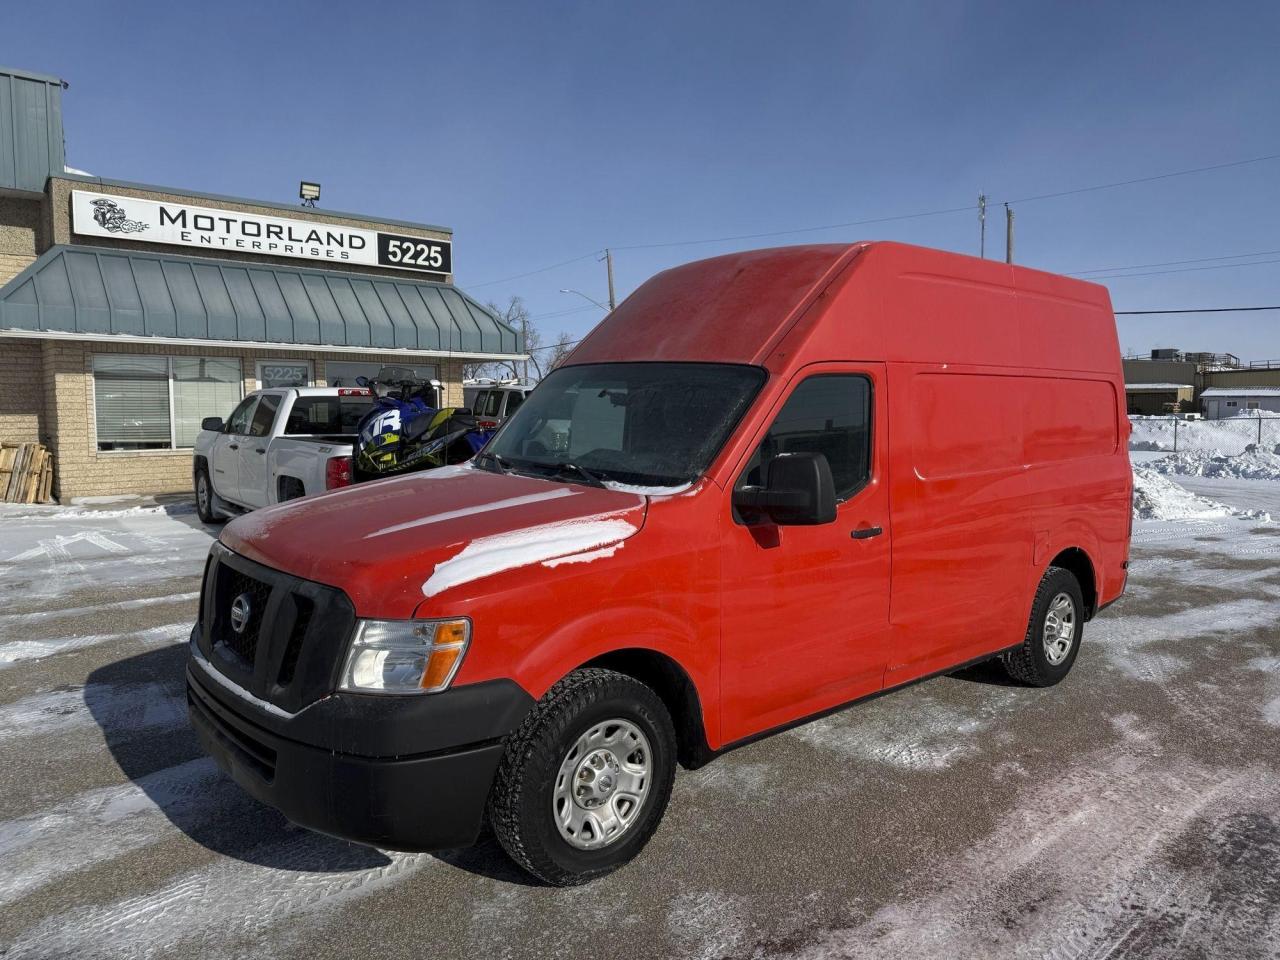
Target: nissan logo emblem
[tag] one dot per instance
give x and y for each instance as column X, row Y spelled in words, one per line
column 240, row 610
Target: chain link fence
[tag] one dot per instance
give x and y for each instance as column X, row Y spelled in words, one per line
column 1231, row 436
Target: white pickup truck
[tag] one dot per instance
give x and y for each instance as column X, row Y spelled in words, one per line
column 277, row 445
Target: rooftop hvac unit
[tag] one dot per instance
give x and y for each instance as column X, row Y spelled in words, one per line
column 1165, row 353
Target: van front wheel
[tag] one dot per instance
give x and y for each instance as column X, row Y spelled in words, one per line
column 1054, row 633
column 585, row 779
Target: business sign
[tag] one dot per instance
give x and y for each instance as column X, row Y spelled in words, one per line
column 155, row 221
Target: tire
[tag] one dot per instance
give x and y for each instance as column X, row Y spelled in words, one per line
column 544, row 765
column 205, row 496
column 291, row 488
column 1041, row 661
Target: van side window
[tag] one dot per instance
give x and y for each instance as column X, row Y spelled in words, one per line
column 514, row 399
column 828, row 414
column 490, row 403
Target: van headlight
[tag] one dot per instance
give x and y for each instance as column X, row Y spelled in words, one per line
column 404, row 656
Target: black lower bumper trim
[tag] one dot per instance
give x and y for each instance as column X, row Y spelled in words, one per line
column 420, row 803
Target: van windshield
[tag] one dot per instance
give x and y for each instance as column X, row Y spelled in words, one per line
column 642, row 424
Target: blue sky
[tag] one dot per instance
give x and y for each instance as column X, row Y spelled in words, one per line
column 543, row 131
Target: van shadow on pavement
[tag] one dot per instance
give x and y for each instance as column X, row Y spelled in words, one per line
column 232, row 823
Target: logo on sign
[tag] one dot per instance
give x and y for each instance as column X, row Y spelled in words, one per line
column 111, row 217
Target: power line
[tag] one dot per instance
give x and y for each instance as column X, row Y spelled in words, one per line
column 1131, row 313
column 562, row 313
column 553, row 346
column 521, row 276
column 1159, row 176
column 780, row 233
column 1160, row 273
column 895, row 218
column 1172, row 263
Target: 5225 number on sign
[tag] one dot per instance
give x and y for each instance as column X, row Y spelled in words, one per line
column 415, row 253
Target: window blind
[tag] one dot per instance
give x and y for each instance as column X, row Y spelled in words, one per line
column 131, row 397
column 202, row 388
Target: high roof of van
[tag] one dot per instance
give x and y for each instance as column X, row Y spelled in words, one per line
column 745, row 307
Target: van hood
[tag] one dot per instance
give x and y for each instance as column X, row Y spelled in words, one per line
column 392, row 543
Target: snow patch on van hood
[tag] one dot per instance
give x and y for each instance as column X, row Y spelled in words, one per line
column 581, row 539
column 390, row 543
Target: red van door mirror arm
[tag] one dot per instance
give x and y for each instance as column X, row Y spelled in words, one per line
column 800, row 492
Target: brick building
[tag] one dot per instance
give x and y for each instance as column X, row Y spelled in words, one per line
column 128, row 312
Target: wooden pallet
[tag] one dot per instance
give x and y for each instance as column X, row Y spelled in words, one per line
column 26, row 473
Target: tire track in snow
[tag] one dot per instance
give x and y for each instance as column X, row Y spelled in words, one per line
column 220, row 904
column 116, row 708
column 101, row 825
column 39, row 616
column 1069, row 871
column 15, row 651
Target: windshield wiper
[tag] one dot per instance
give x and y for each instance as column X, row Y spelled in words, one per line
column 498, row 460
column 587, row 476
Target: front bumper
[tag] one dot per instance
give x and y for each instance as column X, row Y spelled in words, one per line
column 423, row 799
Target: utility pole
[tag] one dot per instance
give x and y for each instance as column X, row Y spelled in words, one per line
column 524, row 337
column 608, row 259
column 982, row 225
column 1008, row 234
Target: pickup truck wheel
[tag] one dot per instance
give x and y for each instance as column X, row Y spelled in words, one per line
column 1053, row 635
column 204, row 496
column 585, row 778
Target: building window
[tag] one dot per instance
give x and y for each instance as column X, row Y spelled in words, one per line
column 157, row 403
column 283, row 373
column 1232, row 403
column 343, row 373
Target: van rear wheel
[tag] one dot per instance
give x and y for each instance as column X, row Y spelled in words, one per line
column 1053, row 634
column 585, row 779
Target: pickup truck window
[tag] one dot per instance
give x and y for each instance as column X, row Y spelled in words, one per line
column 238, row 422
column 828, row 414
column 318, row 416
column 265, row 415
column 653, row 424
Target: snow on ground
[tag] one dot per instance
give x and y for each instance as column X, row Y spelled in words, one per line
column 1133, row 811
column 48, row 552
column 1156, row 497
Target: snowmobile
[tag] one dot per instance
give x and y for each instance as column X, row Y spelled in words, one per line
column 408, row 429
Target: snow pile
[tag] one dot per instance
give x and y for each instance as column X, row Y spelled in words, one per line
column 1151, row 433
column 1230, row 433
column 1250, row 465
column 1255, row 413
column 1155, row 497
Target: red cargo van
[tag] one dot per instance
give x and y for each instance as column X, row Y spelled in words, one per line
column 769, row 484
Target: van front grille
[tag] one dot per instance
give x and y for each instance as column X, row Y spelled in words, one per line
column 244, row 642
column 290, row 645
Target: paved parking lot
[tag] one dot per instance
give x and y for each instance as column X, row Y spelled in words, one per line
column 1134, row 811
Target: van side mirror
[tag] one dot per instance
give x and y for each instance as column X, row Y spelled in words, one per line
column 799, row 491
column 212, row 423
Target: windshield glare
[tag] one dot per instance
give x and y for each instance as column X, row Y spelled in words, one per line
column 647, row 424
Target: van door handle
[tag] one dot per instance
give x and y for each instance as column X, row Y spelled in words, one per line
column 866, row 533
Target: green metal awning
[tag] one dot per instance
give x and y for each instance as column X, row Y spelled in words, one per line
column 98, row 293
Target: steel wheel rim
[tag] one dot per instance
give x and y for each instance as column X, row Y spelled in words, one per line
column 1059, row 628
column 202, row 493
column 602, row 784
